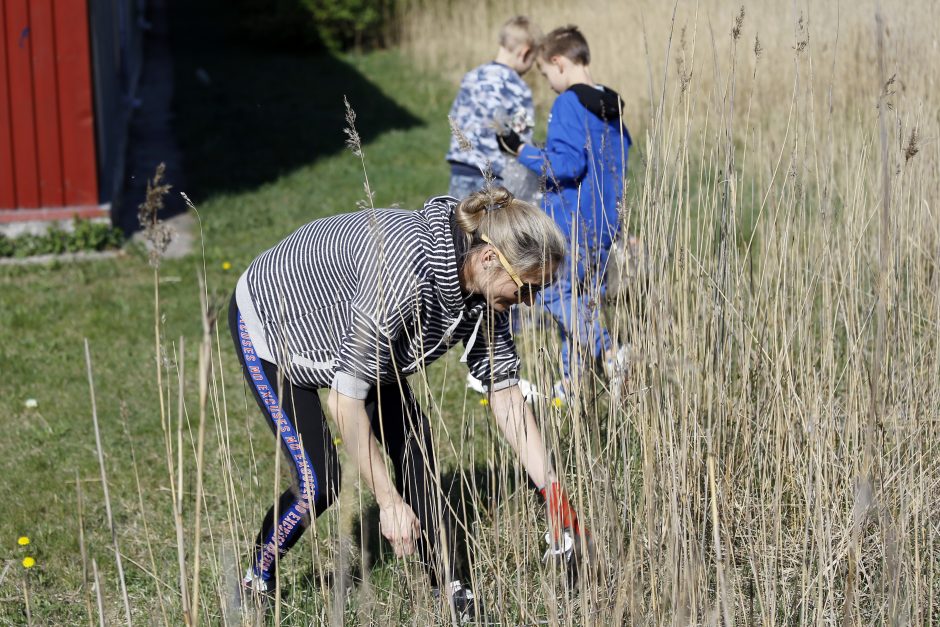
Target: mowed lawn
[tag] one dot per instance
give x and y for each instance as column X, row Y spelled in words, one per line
column 264, row 153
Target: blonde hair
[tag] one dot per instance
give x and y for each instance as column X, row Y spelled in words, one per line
column 519, row 31
column 531, row 241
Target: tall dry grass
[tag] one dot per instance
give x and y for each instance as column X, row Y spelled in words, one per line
column 642, row 48
column 773, row 457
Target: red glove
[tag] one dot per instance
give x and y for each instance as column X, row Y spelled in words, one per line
column 560, row 513
column 569, row 543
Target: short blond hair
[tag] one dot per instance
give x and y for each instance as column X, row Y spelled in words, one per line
column 519, row 31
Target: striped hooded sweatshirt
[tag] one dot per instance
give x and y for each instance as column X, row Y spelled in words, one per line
column 361, row 298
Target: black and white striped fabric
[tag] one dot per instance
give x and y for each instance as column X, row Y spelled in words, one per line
column 361, row 298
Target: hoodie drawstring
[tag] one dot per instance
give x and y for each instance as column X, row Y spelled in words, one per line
column 472, row 340
column 448, row 333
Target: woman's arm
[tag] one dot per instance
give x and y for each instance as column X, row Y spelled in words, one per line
column 568, row 540
column 517, row 423
column 397, row 519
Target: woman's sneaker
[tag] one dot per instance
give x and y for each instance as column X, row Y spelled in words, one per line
column 256, row 592
column 465, row 604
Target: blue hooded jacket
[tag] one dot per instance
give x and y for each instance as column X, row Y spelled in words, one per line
column 584, row 162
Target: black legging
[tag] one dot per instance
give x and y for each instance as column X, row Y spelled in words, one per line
column 296, row 416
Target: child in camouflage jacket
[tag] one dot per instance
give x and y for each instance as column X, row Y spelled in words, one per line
column 492, row 97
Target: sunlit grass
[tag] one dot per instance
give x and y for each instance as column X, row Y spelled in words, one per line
column 772, row 459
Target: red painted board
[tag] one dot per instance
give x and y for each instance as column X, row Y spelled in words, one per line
column 46, row 97
column 48, row 215
column 7, row 180
column 77, row 122
column 22, row 122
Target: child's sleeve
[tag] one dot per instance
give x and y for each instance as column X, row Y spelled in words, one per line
column 517, row 102
column 563, row 159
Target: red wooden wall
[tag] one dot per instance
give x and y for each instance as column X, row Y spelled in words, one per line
column 47, row 126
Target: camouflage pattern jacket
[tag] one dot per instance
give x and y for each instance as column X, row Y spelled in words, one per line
column 492, row 96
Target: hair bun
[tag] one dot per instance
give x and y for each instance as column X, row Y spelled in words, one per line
column 497, row 197
column 473, row 209
column 525, row 234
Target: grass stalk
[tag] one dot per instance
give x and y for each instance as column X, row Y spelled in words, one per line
column 205, row 367
column 104, row 486
column 29, row 614
column 143, row 516
column 82, row 550
column 99, row 593
column 176, row 491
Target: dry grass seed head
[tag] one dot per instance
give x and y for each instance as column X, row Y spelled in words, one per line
column 912, row 148
column 353, row 141
column 738, row 22
column 156, row 232
column 463, row 142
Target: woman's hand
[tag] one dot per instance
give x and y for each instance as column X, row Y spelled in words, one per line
column 400, row 526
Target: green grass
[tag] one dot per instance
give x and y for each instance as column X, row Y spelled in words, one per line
column 83, row 236
column 759, row 467
column 264, row 153
column 47, row 312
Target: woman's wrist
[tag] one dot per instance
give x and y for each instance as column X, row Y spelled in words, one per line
column 376, row 476
column 386, row 499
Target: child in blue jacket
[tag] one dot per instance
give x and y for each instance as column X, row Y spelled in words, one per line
column 584, row 163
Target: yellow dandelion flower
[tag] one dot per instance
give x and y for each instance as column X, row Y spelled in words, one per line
column 28, row 562
column 557, row 402
column 484, row 402
column 337, row 441
column 22, row 540
column 226, row 265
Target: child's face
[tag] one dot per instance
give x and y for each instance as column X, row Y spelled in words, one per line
column 552, row 70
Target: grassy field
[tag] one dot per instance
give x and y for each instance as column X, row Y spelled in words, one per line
column 264, row 148
column 773, row 460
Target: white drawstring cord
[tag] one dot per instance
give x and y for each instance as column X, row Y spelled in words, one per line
column 448, row 333
column 472, row 340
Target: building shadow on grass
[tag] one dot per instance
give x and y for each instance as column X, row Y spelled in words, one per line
column 249, row 113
